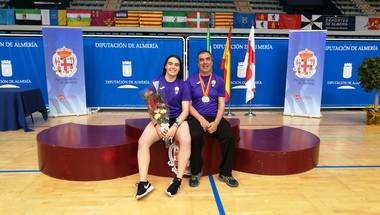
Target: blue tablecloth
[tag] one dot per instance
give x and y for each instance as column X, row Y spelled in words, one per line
column 17, row 104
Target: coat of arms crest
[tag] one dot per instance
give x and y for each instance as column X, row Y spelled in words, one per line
column 305, row 64
column 64, row 62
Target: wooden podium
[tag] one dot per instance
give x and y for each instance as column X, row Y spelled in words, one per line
column 98, row 152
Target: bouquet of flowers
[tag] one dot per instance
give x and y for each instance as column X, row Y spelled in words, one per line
column 158, row 110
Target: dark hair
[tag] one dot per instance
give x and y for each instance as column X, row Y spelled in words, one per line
column 180, row 73
column 203, row 51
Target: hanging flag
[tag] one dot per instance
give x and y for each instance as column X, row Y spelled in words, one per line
column 223, row 20
column 225, row 66
column 311, row 22
column 365, row 23
column 250, row 67
column 49, row 16
column 7, row 16
column 102, row 18
column 28, row 17
column 78, row 17
column 150, row 18
column 125, row 18
column 174, row 19
column 267, row 21
column 62, row 21
column 198, row 19
column 261, row 20
column 290, row 21
column 243, row 20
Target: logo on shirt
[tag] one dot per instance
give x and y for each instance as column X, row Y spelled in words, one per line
column 176, row 90
column 213, row 82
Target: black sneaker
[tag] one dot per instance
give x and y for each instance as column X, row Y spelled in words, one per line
column 143, row 188
column 229, row 180
column 194, row 180
column 173, row 187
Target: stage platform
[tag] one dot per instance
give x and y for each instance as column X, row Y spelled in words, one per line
column 99, row 152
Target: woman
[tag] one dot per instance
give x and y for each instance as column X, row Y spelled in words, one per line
column 177, row 98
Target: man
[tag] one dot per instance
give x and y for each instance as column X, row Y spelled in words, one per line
column 206, row 115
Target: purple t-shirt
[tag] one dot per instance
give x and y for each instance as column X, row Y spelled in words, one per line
column 216, row 90
column 173, row 94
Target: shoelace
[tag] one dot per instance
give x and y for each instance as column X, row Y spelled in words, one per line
column 229, row 178
column 194, row 177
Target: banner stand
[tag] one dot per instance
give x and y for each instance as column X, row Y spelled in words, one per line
column 304, row 77
column 64, row 67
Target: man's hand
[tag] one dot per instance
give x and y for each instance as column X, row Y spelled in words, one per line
column 212, row 127
column 205, row 124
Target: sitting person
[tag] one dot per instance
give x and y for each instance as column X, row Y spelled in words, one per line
column 206, row 115
column 177, row 98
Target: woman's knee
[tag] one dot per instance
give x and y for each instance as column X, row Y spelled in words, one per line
column 143, row 144
column 185, row 144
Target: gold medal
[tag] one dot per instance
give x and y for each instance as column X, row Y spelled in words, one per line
column 205, row 99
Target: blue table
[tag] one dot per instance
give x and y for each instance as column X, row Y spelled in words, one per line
column 17, row 104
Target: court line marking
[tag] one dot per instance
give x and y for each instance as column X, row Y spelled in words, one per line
column 348, row 166
column 19, row 170
column 216, row 195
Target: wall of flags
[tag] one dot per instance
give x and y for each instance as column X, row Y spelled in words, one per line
column 186, row 19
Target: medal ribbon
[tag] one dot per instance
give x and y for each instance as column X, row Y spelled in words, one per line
column 205, row 91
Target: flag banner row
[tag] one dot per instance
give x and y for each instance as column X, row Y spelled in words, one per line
column 64, row 67
column 306, row 57
column 181, row 19
column 116, row 71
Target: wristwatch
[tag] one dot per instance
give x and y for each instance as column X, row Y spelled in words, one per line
column 177, row 122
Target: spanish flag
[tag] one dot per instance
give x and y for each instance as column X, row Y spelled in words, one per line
column 226, row 66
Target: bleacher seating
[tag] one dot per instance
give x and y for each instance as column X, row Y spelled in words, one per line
column 375, row 4
column 180, row 5
column 88, row 4
column 3, row 3
column 266, row 6
column 348, row 7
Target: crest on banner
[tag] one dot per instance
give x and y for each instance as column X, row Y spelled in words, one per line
column 64, row 62
column 6, row 68
column 305, row 64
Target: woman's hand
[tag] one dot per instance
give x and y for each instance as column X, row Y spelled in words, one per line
column 159, row 132
column 171, row 132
